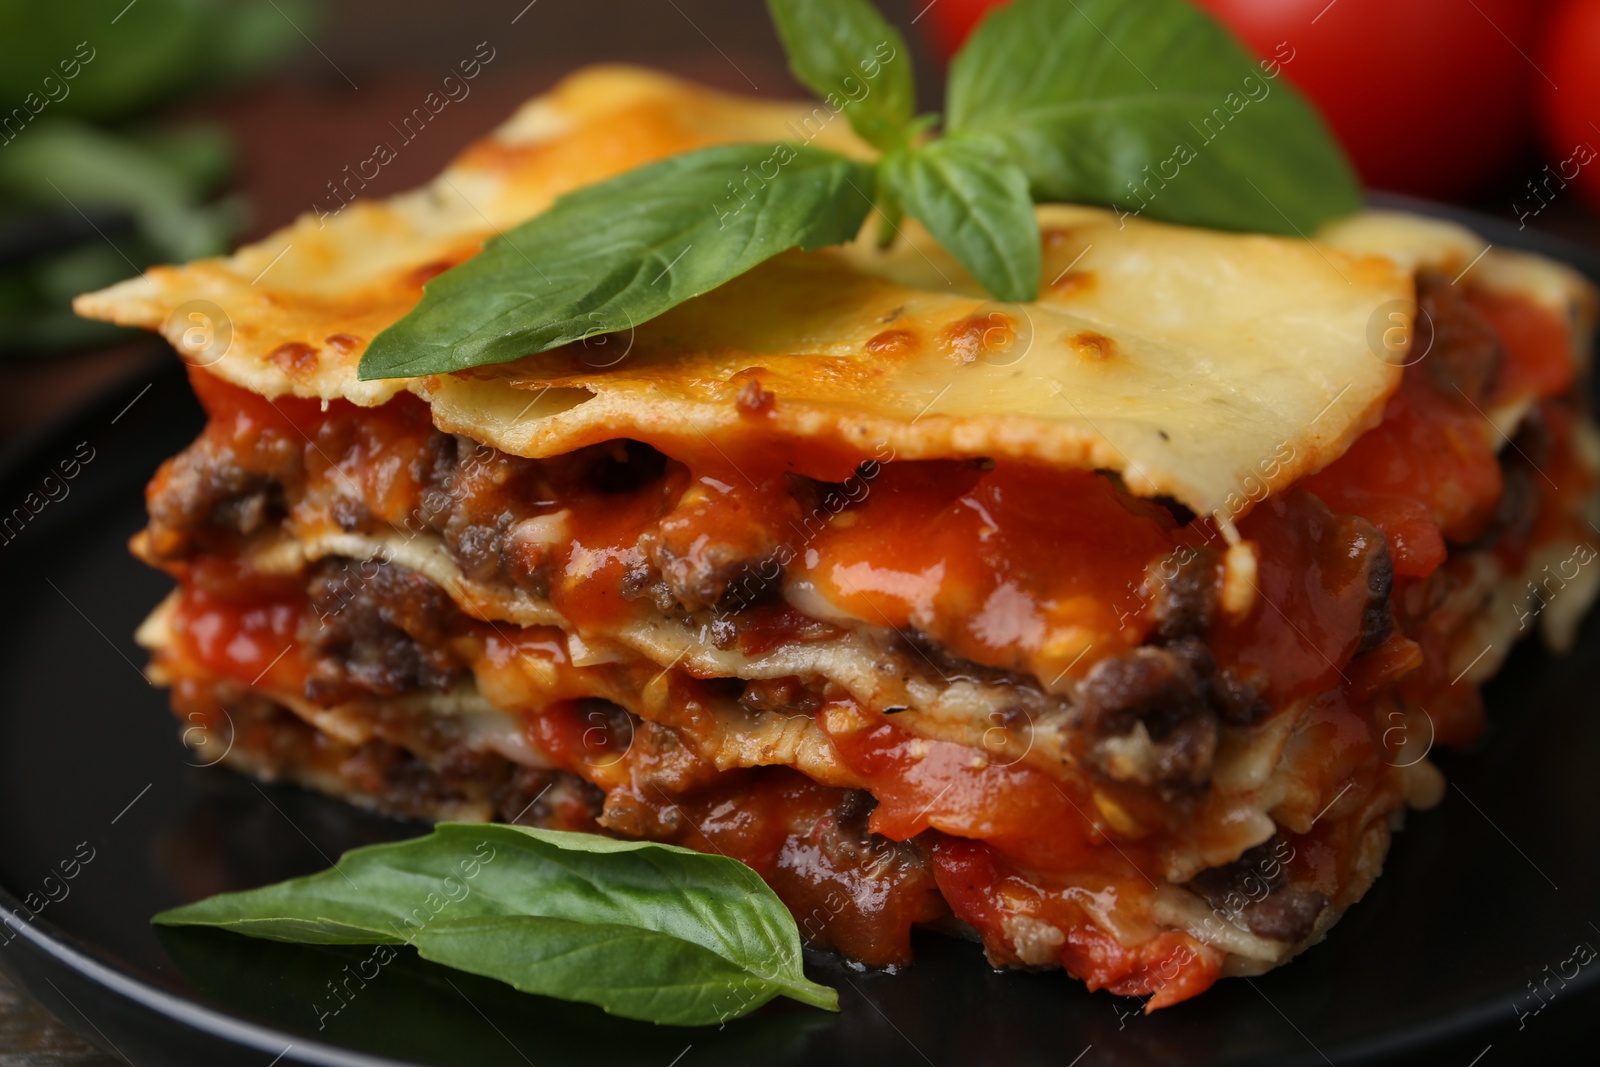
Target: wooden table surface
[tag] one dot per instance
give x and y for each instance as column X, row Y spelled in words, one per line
column 31, row 1037
column 372, row 60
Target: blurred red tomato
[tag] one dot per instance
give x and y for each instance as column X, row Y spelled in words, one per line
column 1428, row 96
column 1570, row 111
column 952, row 20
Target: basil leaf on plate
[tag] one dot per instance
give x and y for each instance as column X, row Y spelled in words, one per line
column 975, row 202
column 612, row 256
column 849, row 55
column 644, row 930
column 627, row 970
column 1150, row 105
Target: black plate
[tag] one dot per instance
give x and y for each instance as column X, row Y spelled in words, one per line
column 1482, row 896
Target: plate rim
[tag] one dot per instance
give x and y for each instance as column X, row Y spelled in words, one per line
column 66, row 950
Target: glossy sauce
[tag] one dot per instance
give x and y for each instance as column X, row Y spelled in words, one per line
column 1311, row 594
column 984, row 890
column 922, row 784
column 1429, row 473
column 1015, row 567
column 241, row 625
column 1537, row 342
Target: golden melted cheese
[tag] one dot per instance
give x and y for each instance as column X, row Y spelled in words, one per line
column 1191, row 361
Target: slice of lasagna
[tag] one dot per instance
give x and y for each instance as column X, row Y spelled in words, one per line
column 1113, row 629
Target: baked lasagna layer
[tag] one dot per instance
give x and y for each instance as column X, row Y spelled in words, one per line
column 1114, row 630
column 1015, row 698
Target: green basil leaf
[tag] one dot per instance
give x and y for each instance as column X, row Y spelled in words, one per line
column 466, row 885
column 612, row 256
column 1150, row 105
column 975, row 203
column 627, row 970
column 849, row 55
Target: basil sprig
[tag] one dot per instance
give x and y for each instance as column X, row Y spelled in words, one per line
column 975, row 202
column 849, row 55
column 610, row 256
column 1145, row 105
column 1148, row 105
column 646, row 931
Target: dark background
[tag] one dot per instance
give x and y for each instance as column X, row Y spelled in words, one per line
column 369, row 62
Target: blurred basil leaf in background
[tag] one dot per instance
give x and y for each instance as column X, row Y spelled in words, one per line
column 82, row 160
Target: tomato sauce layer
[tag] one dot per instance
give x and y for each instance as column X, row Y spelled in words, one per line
column 241, row 625
column 1015, row 567
column 1025, row 922
column 1430, row 472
